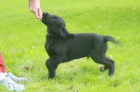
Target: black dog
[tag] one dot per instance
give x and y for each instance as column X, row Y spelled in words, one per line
column 62, row 46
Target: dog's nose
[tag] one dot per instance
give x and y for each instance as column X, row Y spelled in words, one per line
column 45, row 14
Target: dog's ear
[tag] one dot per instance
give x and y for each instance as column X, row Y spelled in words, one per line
column 64, row 34
column 57, row 27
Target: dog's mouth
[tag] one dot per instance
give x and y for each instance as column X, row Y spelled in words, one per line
column 44, row 17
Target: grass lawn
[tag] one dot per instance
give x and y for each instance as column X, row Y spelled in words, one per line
column 22, row 39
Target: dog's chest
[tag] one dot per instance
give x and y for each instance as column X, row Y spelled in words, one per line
column 53, row 44
column 50, row 44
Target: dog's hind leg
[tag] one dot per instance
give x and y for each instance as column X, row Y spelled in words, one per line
column 51, row 68
column 102, row 59
column 111, row 67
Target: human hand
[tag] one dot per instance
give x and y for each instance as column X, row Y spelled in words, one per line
column 34, row 6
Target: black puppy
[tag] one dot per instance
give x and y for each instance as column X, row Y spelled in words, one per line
column 62, row 46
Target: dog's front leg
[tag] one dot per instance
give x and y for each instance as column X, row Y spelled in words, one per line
column 51, row 68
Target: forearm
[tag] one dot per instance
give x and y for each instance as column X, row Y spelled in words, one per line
column 34, row 6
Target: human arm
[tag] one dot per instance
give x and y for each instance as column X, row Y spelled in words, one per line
column 34, row 6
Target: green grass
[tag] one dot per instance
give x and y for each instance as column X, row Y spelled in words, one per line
column 22, row 39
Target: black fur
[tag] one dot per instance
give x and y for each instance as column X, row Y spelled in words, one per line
column 62, row 46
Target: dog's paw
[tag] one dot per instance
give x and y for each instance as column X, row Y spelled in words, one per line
column 51, row 76
column 101, row 68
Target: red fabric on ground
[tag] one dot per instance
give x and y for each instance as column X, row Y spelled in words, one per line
column 2, row 65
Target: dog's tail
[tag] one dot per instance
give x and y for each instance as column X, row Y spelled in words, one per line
column 110, row 38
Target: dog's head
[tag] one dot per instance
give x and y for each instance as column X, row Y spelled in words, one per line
column 52, row 20
column 56, row 25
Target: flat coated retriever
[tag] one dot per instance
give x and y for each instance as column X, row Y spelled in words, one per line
column 62, row 46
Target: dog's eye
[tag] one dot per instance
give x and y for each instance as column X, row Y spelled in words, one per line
column 54, row 18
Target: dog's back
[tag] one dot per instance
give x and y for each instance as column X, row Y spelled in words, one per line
column 87, row 43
